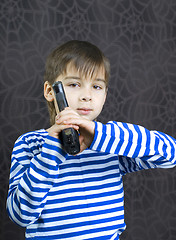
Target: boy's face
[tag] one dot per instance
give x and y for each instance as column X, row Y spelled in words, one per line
column 85, row 95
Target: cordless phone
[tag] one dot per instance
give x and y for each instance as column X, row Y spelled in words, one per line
column 69, row 137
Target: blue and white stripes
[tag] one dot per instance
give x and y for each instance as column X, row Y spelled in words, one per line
column 147, row 149
column 59, row 196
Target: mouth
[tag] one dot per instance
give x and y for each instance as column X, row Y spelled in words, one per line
column 84, row 111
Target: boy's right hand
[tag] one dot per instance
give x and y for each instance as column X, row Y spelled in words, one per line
column 57, row 128
column 70, row 118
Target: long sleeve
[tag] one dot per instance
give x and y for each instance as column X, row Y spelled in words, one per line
column 33, row 173
column 137, row 147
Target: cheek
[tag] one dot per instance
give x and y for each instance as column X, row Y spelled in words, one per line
column 71, row 101
column 100, row 99
column 67, row 94
column 69, row 97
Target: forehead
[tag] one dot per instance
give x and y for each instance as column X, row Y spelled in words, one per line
column 93, row 72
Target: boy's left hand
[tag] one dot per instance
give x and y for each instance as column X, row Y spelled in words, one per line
column 86, row 127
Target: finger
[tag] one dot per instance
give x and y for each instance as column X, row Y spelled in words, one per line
column 64, row 112
column 55, row 130
column 76, row 127
column 84, row 124
column 68, row 111
column 64, row 119
column 59, row 128
column 74, row 120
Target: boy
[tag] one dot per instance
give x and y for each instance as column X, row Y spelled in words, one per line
column 59, row 196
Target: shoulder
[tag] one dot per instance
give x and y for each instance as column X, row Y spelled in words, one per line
column 32, row 138
column 28, row 145
column 41, row 133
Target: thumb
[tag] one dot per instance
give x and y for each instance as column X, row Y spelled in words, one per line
column 83, row 146
column 81, row 139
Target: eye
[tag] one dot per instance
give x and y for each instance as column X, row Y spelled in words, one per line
column 73, row 85
column 98, row 87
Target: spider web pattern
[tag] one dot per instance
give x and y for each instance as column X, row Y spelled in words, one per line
column 139, row 38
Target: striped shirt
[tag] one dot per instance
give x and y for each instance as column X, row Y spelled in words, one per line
column 59, row 196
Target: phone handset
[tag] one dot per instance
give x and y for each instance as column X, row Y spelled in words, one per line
column 69, row 137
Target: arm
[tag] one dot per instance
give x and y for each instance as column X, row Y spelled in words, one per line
column 31, row 178
column 140, row 148
column 137, row 147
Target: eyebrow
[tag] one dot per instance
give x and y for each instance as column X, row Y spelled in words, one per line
column 100, row 79
column 71, row 77
column 78, row 78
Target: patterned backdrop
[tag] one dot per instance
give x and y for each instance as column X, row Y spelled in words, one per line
column 139, row 38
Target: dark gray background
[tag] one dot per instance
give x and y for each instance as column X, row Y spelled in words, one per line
column 139, row 38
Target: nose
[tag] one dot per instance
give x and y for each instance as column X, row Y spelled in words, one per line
column 85, row 99
column 85, row 96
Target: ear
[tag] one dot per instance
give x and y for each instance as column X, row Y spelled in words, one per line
column 48, row 92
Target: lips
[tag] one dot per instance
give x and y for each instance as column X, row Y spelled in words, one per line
column 84, row 111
